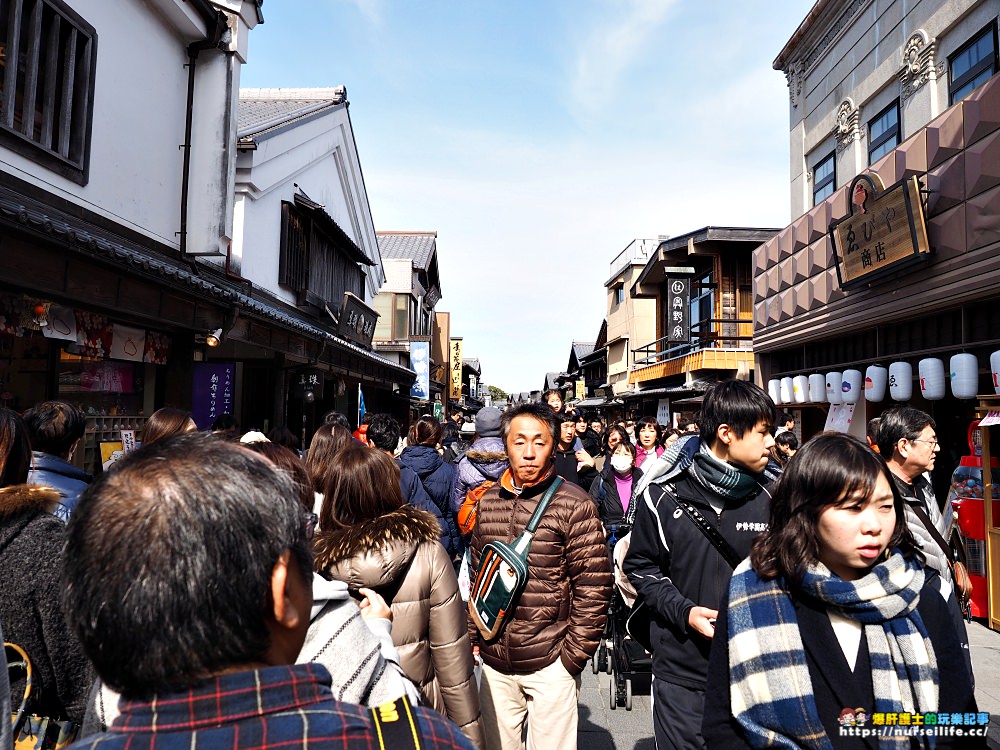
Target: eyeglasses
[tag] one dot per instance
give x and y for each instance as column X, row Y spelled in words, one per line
column 309, row 521
column 931, row 443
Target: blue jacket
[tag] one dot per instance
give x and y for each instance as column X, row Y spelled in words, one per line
column 60, row 474
column 436, row 476
column 414, row 494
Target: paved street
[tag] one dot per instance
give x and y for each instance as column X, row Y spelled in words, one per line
column 604, row 729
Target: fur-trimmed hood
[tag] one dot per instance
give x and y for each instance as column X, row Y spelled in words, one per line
column 374, row 553
column 27, row 509
column 19, row 498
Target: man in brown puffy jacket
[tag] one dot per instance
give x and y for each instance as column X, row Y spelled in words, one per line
column 531, row 672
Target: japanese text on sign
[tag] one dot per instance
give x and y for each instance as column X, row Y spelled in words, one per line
column 883, row 232
column 678, row 320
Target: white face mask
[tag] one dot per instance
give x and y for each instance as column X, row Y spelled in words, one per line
column 620, row 463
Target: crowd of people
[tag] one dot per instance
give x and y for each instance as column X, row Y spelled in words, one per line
column 227, row 589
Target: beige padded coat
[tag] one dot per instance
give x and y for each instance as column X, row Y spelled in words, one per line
column 399, row 555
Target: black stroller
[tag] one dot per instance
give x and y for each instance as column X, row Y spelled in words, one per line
column 620, row 655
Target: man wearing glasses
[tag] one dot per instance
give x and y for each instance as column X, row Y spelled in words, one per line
column 907, row 440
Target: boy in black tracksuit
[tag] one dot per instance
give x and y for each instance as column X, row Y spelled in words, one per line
column 673, row 565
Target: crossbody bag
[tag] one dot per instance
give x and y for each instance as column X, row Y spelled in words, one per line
column 503, row 574
column 954, row 557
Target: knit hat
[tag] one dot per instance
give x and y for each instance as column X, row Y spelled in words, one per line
column 488, row 422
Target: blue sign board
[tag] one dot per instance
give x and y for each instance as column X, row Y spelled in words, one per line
column 420, row 361
column 212, row 395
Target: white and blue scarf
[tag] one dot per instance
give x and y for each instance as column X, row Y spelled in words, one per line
column 770, row 690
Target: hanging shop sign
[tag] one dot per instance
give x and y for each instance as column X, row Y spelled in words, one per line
column 580, row 390
column 420, row 361
column 885, row 231
column 308, row 384
column 357, row 321
column 455, row 368
column 212, row 392
column 679, row 309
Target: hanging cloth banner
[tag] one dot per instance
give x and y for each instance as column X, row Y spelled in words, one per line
column 127, row 343
column 62, row 324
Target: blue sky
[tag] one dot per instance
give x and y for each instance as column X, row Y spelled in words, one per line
column 539, row 138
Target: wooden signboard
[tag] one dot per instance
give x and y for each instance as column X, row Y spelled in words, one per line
column 885, row 231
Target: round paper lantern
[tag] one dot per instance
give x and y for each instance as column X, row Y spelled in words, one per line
column 964, row 369
column 931, row 371
column 817, row 388
column 901, row 381
column 995, row 369
column 853, row 386
column 774, row 390
column 834, row 394
column 786, row 390
column 876, row 378
column 800, row 388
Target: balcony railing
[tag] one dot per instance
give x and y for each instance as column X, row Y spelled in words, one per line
column 637, row 251
column 713, row 333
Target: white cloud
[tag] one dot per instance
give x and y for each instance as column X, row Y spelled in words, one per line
column 609, row 46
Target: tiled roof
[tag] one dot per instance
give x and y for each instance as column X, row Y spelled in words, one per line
column 472, row 362
column 262, row 110
column 582, row 349
column 416, row 246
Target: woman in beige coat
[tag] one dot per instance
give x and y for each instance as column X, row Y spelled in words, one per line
column 370, row 539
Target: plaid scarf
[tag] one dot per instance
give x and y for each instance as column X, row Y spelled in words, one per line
column 707, row 469
column 770, row 689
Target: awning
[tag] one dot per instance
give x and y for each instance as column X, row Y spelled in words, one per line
column 590, row 402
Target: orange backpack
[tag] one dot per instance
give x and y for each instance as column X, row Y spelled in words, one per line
column 466, row 516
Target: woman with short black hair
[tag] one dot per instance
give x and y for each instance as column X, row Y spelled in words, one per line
column 833, row 608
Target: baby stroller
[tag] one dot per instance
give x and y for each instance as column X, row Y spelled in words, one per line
column 620, row 655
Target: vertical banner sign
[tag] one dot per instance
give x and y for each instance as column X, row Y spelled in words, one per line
column 679, row 310
column 128, row 441
column 455, row 360
column 581, row 390
column 420, row 361
column 212, row 394
column 663, row 412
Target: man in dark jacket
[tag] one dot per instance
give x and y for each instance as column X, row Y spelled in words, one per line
column 531, row 673
column 591, row 440
column 54, row 430
column 677, row 571
column 383, row 434
column 576, row 466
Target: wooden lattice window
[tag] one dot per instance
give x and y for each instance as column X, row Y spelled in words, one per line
column 48, row 55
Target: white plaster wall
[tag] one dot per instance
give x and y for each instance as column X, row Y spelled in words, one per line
column 140, row 88
column 319, row 156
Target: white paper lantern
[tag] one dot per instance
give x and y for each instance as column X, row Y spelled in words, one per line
column 853, row 386
column 901, row 381
column 774, row 390
column 834, row 394
column 876, row 378
column 817, row 388
column 800, row 388
column 964, row 369
column 931, row 371
column 995, row 369
column 786, row 390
